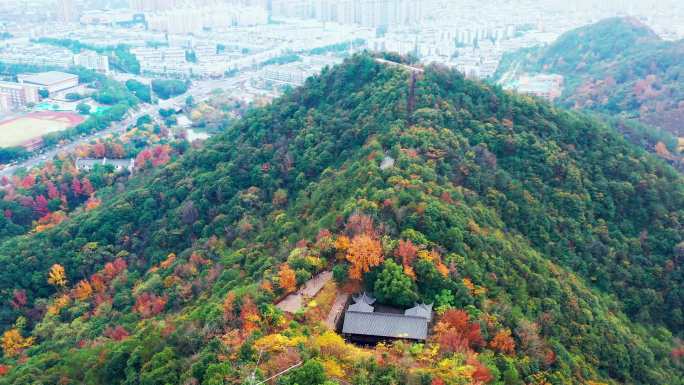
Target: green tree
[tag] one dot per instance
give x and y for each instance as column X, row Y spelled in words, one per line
column 162, row 369
column 393, row 286
column 311, row 373
column 190, row 102
column 169, row 88
column 8, row 154
column 83, row 108
column 73, row 96
column 341, row 273
column 510, row 374
column 142, row 91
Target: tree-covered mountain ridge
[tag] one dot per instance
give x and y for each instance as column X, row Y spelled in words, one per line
column 550, row 246
column 617, row 66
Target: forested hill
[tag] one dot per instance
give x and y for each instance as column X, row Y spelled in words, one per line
column 616, row 66
column 550, row 247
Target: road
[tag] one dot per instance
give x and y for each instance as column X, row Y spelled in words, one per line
column 121, row 126
column 200, row 90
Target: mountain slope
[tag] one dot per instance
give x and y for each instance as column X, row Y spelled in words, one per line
column 543, row 225
column 616, row 66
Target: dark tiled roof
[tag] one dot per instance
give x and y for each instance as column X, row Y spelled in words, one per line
column 385, row 325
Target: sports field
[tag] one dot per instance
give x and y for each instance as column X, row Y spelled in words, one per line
column 17, row 131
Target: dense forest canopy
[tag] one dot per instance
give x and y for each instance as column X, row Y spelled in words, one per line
column 616, row 66
column 549, row 245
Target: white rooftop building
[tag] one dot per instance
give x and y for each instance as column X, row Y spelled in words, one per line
column 53, row 81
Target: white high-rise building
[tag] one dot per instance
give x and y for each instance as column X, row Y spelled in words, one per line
column 190, row 21
column 369, row 13
column 153, row 5
column 66, row 11
column 93, row 61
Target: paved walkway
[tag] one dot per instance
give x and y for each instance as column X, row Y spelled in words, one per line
column 336, row 310
column 295, row 301
column 395, row 64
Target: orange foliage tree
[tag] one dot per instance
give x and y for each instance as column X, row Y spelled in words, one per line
column 287, row 278
column 364, row 253
column 92, row 203
column 58, row 304
column 229, row 307
column 249, row 315
column 83, row 290
column 407, row 252
column 50, row 220
column 342, row 245
column 503, row 342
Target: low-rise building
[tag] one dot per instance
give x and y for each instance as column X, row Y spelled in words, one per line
column 546, row 86
column 53, row 81
column 36, row 54
column 87, row 164
column 18, row 95
column 285, row 74
column 364, row 324
column 5, row 105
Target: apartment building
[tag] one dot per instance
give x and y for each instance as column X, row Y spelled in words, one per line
column 17, row 95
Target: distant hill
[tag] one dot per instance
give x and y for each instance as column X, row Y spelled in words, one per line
column 617, row 66
column 550, row 247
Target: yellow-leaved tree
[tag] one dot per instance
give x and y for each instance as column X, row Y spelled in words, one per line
column 57, row 276
column 13, row 343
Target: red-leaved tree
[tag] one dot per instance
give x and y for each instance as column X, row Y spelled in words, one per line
column 149, row 305
column 455, row 332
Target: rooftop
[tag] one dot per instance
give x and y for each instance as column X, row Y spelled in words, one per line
column 90, row 162
column 385, row 325
column 47, row 78
column 12, row 85
column 361, row 307
column 365, row 298
column 362, row 319
column 420, row 310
